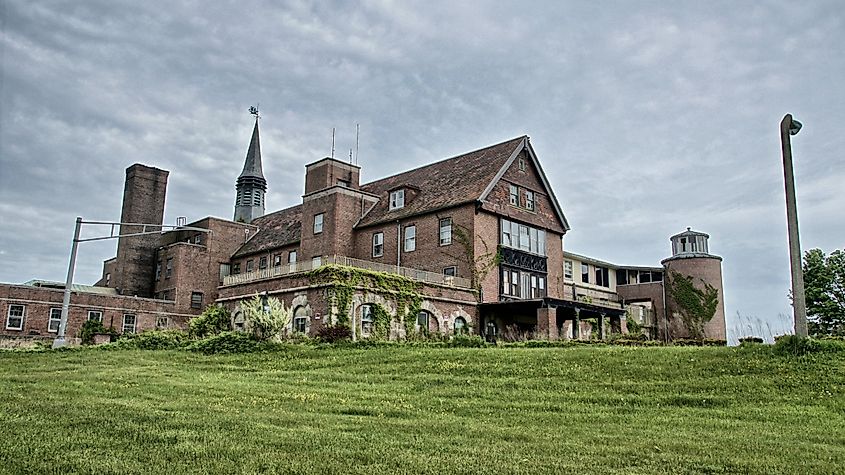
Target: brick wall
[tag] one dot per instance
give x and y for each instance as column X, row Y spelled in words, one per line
column 706, row 269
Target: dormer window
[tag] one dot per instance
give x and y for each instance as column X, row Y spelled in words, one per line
column 397, row 199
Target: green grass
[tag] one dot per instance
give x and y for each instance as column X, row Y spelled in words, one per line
column 423, row 410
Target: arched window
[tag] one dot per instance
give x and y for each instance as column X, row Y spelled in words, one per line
column 238, row 323
column 367, row 320
column 460, row 325
column 424, row 320
column 300, row 320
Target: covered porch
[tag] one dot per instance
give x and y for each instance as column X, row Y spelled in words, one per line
column 548, row 318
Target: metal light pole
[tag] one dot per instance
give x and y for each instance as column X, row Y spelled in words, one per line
column 60, row 339
column 788, row 127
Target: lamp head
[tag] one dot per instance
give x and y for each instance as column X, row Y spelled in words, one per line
column 794, row 127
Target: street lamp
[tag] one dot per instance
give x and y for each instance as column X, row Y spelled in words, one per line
column 789, row 126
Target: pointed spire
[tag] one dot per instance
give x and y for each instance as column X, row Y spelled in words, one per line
column 252, row 164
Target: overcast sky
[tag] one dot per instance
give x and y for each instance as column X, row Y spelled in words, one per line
column 648, row 117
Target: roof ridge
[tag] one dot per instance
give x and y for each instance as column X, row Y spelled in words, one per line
column 521, row 137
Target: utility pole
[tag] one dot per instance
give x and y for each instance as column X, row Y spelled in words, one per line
column 788, row 127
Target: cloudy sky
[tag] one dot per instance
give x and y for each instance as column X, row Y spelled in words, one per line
column 647, row 116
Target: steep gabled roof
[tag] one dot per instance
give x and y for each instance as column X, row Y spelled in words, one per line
column 252, row 163
column 444, row 184
column 275, row 230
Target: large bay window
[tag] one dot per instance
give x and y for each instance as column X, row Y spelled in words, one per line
column 523, row 237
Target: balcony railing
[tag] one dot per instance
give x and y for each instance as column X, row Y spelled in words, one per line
column 305, row 266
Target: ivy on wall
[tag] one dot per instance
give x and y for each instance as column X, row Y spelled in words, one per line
column 696, row 306
column 343, row 281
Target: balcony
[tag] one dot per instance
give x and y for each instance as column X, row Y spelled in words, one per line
column 300, row 267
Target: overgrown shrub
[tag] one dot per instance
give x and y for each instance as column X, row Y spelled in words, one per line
column 750, row 340
column 214, row 319
column 227, row 343
column 154, row 340
column 334, row 333
column 91, row 328
column 463, row 340
column 266, row 316
column 793, row 345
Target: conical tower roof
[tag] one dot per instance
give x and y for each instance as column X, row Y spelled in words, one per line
column 252, row 164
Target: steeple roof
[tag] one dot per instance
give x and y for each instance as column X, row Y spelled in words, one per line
column 252, row 164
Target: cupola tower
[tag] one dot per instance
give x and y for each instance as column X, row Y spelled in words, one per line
column 251, row 185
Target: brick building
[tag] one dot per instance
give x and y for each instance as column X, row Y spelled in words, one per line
column 480, row 236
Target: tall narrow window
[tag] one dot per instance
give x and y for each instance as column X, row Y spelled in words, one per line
column 277, row 260
column 250, row 264
column 262, row 263
column 225, row 269
column 236, row 268
column 585, row 273
column 529, row 200
column 445, row 231
column 397, row 199
column 514, row 195
column 196, row 299
column 168, row 270
column 378, row 244
column 367, row 320
column 158, row 270
column 128, row 323
column 410, row 238
column 521, row 164
column 292, row 257
column 55, row 320
column 318, row 223
column 567, row 270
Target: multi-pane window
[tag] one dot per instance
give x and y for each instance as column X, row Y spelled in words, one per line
column 460, row 325
column 162, row 322
column 225, row 269
column 14, row 319
column 510, row 282
column 378, row 244
column 196, row 299
column 451, row 271
column 168, row 269
column 602, row 276
column 300, row 320
column 262, row 262
column 529, row 200
column 410, row 238
column 316, row 262
column 567, row 270
column 514, row 195
column 277, row 260
column 397, row 199
column 422, row 320
column 95, row 315
column 291, row 257
column 55, row 320
column 250, row 265
column 318, row 223
column 367, row 320
column 129, row 323
column 236, row 268
column 538, row 286
column 522, row 237
column 158, row 270
column 445, row 231
column 585, row 273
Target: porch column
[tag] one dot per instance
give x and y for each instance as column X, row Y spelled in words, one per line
column 547, row 322
column 601, row 326
column 576, row 325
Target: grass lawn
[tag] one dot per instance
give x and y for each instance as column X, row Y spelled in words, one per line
column 423, row 410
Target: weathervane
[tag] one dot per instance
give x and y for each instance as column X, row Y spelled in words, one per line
column 254, row 111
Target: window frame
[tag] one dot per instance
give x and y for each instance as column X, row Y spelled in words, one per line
column 585, row 271
column 409, row 242
column 277, row 260
column 262, row 262
column 194, row 303
column 397, row 199
column 318, row 223
column 92, row 312
column 529, row 200
column 568, row 270
column 292, row 257
column 445, row 230
column 57, row 320
column 134, row 325
column 368, row 316
column 168, row 268
column 513, row 195
column 454, row 270
column 9, row 316
column 316, row 261
column 378, row 248
column 159, row 320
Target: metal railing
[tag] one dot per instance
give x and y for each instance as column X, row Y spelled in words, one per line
column 305, row 266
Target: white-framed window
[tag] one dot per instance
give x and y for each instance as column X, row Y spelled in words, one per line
column 567, row 270
column 225, row 269
column 55, row 320
column 378, row 244
column 514, row 195
column 318, row 223
column 529, row 200
column 277, row 260
column 300, row 320
column 522, row 237
column 367, row 320
column 460, row 325
column 510, row 282
column 95, row 315
column 585, row 273
column 162, row 323
column 445, row 231
column 196, row 299
column 397, row 199
column 451, row 271
column 292, row 257
column 129, row 321
column 14, row 319
column 316, row 262
column 410, row 238
column 521, row 164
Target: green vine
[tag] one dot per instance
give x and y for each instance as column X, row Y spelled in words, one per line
column 696, row 306
column 343, row 281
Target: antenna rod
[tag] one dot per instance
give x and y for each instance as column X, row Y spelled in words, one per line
column 332, row 142
column 357, row 134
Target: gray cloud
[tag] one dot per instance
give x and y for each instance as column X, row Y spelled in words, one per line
column 648, row 118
